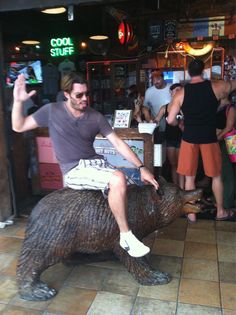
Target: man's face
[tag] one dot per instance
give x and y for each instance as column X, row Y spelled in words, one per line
column 78, row 97
column 158, row 82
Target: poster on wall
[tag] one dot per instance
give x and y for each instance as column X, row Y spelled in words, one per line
column 205, row 27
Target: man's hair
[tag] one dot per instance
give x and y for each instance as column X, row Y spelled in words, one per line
column 157, row 74
column 195, row 67
column 68, row 80
column 175, row 85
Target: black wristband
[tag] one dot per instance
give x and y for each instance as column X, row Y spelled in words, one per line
column 141, row 166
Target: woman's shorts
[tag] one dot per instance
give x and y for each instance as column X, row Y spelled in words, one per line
column 173, row 144
column 91, row 174
column 188, row 158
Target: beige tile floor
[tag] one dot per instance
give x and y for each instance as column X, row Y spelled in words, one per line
column 200, row 257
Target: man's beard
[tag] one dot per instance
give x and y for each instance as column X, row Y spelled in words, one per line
column 77, row 107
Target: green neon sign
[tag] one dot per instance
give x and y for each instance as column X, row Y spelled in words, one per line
column 61, row 47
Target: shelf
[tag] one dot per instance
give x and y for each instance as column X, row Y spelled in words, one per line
column 103, row 84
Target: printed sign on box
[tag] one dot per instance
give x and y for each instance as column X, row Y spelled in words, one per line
column 105, row 148
column 45, row 150
column 50, row 176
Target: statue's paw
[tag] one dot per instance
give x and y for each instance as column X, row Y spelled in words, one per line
column 37, row 292
column 161, row 277
column 156, row 277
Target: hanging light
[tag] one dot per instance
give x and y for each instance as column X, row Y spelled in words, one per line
column 125, row 33
column 98, row 37
column 58, row 10
column 83, row 45
column 30, row 42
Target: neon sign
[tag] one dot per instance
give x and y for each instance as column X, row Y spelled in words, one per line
column 61, row 47
column 199, row 51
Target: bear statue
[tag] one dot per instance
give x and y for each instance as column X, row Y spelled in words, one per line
column 70, row 221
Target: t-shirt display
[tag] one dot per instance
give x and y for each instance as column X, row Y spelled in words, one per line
column 66, row 67
column 50, row 79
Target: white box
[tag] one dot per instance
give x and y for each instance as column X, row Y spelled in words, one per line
column 146, row 127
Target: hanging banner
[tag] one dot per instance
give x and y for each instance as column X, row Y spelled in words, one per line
column 170, row 29
column 207, row 27
column 155, row 32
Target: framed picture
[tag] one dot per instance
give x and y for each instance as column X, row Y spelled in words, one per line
column 122, row 118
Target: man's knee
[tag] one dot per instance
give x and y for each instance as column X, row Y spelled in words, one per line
column 118, row 179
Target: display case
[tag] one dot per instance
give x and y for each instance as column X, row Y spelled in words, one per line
column 174, row 65
column 217, row 63
column 109, row 81
column 174, row 60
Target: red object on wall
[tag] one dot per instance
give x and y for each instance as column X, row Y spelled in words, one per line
column 50, row 176
column 125, row 32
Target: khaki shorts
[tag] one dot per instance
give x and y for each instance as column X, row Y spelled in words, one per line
column 188, row 158
column 91, row 174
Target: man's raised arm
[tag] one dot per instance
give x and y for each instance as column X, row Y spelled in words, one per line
column 21, row 123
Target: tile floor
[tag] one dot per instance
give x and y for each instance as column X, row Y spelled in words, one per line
column 200, row 257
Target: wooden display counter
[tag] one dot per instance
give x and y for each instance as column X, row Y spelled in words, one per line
column 49, row 173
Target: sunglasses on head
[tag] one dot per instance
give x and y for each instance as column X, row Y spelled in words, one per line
column 80, row 95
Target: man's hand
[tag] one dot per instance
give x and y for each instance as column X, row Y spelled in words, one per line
column 147, row 177
column 19, row 122
column 19, row 92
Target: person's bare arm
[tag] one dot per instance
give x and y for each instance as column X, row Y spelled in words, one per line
column 230, row 121
column 222, row 89
column 137, row 109
column 174, row 107
column 160, row 114
column 147, row 114
column 21, row 123
column 129, row 155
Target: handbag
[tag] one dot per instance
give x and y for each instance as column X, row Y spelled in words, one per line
column 230, row 142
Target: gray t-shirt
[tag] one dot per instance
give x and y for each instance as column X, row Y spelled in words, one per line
column 155, row 98
column 72, row 137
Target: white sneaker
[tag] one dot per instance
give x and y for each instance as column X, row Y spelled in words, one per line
column 132, row 245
